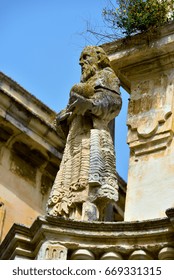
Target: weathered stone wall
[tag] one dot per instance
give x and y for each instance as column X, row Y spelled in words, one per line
column 30, row 154
column 144, row 64
column 25, row 183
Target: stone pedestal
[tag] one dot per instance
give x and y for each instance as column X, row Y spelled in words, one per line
column 145, row 66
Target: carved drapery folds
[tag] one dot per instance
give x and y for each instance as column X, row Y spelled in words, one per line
column 86, row 182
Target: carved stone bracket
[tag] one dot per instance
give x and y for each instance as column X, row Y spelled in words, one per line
column 150, row 116
column 65, row 239
column 52, row 250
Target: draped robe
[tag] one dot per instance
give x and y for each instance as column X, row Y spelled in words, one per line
column 87, row 170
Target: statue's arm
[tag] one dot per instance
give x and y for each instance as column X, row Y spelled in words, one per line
column 107, row 101
column 101, row 98
column 80, row 105
column 106, row 104
column 62, row 116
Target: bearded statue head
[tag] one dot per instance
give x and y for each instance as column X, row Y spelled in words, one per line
column 92, row 59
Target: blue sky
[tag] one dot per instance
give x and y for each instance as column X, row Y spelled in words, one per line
column 41, row 41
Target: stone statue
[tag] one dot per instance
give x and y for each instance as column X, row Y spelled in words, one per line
column 86, row 182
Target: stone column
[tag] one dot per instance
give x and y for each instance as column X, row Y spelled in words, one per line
column 145, row 66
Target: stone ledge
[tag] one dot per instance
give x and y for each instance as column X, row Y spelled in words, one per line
column 141, row 53
column 30, row 116
column 123, row 237
column 21, row 95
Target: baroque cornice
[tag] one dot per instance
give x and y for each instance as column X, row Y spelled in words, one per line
column 124, row 237
column 29, row 115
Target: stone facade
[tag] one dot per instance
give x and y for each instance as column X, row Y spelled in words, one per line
column 30, row 154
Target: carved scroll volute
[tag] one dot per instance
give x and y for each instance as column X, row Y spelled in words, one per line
column 150, row 115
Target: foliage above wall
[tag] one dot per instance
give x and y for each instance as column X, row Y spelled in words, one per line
column 134, row 16
column 124, row 18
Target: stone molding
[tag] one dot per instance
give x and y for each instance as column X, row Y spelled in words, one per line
column 166, row 253
column 82, row 254
column 25, row 113
column 122, row 238
column 140, row 255
column 111, row 256
column 26, row 99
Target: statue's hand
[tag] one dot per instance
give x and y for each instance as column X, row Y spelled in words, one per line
column 63, row 115
column 80, row 105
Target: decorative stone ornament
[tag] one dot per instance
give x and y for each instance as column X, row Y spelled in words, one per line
column 111, row 256
column 167, row 253
column 87, row 182
column 140, row 255
column 82, row 254
column 52, row 250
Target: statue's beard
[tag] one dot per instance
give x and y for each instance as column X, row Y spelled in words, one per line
column 87, row 72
